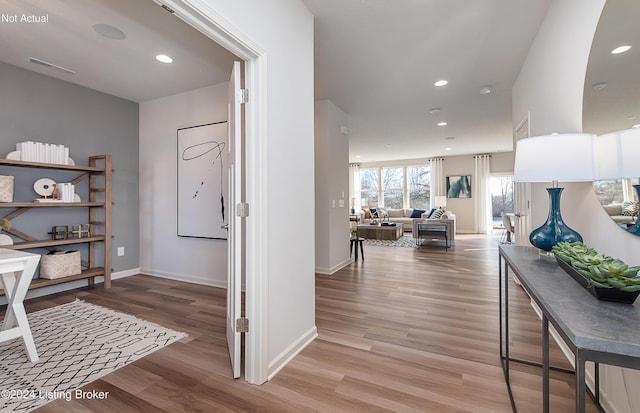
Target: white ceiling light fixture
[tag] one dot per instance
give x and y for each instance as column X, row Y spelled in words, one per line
column 164, row 58
column 621, row 49
column 599, row 86
column 442, row 123
column 449, row 138
column 447, row 149
column 636, row 126
column 435, row 111
column 485, row 90
column 108, row 31
column 441, row 83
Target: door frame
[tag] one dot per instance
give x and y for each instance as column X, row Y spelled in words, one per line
column 209, row 22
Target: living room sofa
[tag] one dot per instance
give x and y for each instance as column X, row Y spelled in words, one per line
column 409, row 219
column 620, row 215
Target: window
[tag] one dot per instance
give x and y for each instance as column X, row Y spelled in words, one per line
column 419, row 186
column 501, row 198
column 396, row 187
column 369, row 187
column 393, row 187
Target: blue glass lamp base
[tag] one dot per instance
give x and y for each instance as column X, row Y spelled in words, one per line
column 554, row 230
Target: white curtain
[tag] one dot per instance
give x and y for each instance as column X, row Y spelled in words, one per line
column 628, row 193
column 354, row 186
column 482, row 197
column 437, row 180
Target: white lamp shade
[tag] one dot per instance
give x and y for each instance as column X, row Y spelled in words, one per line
column 568, row 157
column 440, row 201
column 619, row 154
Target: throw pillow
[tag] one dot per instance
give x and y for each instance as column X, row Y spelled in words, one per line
column 431, row 212
column 630, row 208
column 417, row 213
column 437, row 214
column 367, row 213
column 374, row 213
column 383, row 212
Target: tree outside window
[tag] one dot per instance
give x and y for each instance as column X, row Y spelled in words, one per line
column 393, row 187
column 419, row 185
column 369, row 187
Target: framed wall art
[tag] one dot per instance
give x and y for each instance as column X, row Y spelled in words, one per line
column 203, row 186
column 459, row 186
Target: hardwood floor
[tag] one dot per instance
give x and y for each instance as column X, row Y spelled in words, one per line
column 407, row 330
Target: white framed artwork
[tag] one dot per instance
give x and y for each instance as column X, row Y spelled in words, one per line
column 203, row 185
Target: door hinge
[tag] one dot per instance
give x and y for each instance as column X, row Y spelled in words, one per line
column 242, row 325
column 242, row 209
column 242, row 95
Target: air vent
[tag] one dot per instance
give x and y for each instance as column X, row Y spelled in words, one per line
column 50, row 65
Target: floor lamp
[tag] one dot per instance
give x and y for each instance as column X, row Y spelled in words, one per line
column 618, row 158
column 568, row 157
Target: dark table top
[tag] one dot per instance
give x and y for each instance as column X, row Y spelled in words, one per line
column 586, row 322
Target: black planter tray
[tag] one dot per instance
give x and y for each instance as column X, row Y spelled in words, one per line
column 605, row 294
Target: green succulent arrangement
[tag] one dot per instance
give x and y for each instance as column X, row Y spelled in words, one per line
column 4, row 223
column 600, row 271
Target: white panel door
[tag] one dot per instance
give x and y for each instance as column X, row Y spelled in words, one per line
column 234, row 264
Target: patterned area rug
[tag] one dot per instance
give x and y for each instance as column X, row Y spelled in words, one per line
column 77, row 343
column 404, row 241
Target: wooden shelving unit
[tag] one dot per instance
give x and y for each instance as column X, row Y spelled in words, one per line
column 99, row 205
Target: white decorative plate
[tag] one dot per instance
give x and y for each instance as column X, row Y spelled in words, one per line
column 44, row 186
column 5, row 239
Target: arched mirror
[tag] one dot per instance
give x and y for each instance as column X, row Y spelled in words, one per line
column 612, row 96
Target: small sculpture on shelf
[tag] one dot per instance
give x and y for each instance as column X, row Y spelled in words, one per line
column 81, row 231
column 59, row 232
column 4, row 223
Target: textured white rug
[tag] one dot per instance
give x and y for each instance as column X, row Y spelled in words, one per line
column 77, row 343
column 403, row 241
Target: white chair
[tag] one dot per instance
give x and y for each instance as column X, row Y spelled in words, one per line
column 509, row 231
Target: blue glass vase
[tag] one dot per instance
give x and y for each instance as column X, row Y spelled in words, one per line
column 554, row 230
column 635, row 229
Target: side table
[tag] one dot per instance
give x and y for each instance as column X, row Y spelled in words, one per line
column 16, row 271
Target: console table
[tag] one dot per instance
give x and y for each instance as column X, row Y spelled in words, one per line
column 597, row 331
column 16, row 270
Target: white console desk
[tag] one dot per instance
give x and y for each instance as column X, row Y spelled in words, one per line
column 16, row 271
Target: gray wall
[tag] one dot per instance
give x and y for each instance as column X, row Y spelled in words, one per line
column 40, row 108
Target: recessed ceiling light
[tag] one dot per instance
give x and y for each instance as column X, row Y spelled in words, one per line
column 435, row 111
column 109, row 31
column 357, row 156
column 449, row 138
column 636, row 126
column 485, row 90
column 442, row 123
column 620, row 49
column 554, row 133
column 164, row 58
column 441, row 83
column 599, row 86
column 447, row 149
column 630, row 117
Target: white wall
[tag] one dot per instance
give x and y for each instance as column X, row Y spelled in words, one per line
column 332, row 187
column 284, row 30
column 550, row 86
column 162, row 252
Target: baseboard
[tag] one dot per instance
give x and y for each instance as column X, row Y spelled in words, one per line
column 289, row 353
column 185, row 278
column 334, row 269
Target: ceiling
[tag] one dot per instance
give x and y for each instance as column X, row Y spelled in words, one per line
column 126, row 68
column 375, row 59
column 378, row 60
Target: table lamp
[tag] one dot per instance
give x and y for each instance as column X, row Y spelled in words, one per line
column 619, row 158
column 568, row 157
